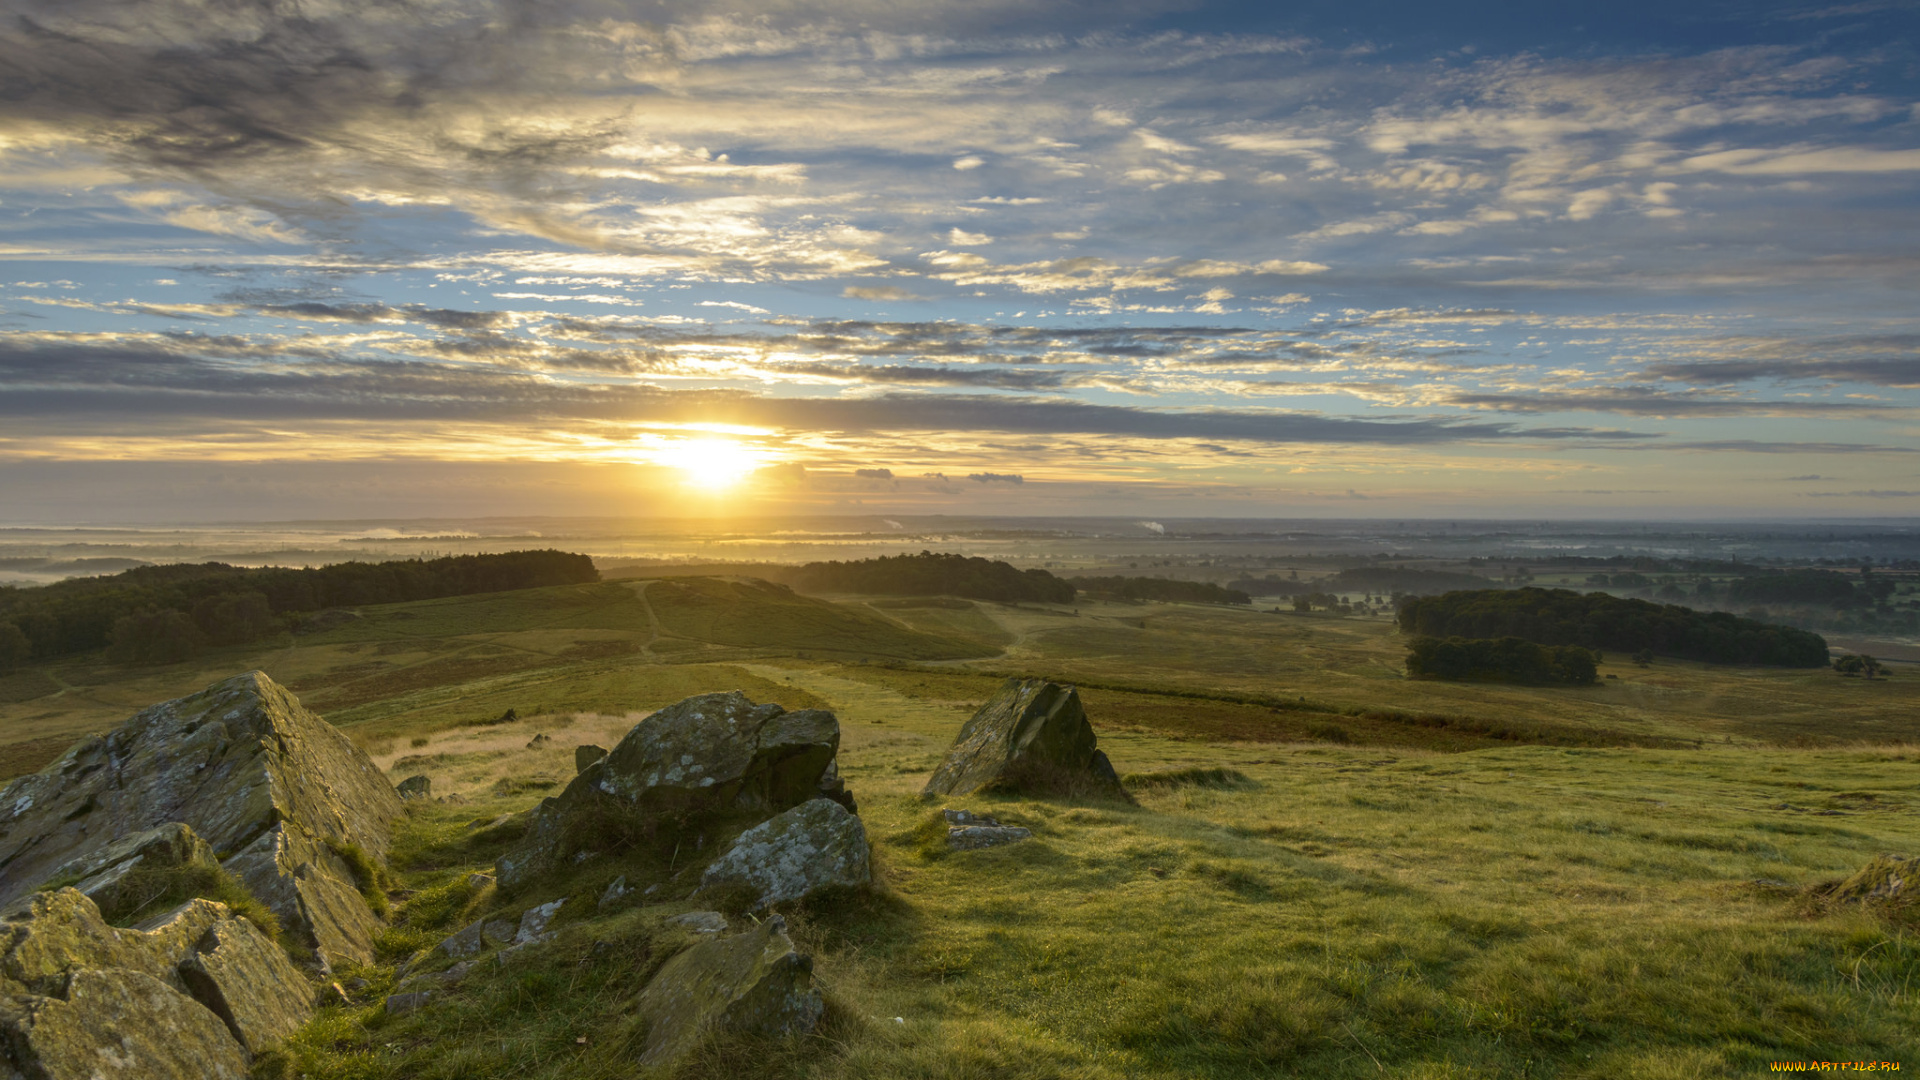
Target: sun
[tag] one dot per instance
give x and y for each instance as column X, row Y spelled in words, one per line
column 711, row 464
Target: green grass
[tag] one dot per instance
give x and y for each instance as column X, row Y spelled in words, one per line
column 1323, row 911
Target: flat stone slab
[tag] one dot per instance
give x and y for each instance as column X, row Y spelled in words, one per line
column 967, row 831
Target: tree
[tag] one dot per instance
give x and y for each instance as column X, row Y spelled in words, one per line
column 154, row 637
column 14, row 647
column 1857, row 664
column 1302, row 605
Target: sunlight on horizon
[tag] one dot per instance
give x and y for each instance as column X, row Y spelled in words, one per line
column 710, row 464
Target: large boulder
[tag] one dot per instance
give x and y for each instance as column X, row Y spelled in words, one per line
column 270, row 787
column 753, row 983
column 194, row 993
column 1031, row 736
column 711, row 754
column 816, row 845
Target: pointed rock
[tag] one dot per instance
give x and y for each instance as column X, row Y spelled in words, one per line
column 1031, row 736
column 247, row 769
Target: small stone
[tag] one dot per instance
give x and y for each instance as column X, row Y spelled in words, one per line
column 617, row 891
column 651, row 889
column 467, row 941
column 974, row 837
column 355, row 985
column 478, row 881
column 533, row 924
column 701, row 922
column 402, row 1004
column 586, row 755
column 415, row 787
column 539, row 741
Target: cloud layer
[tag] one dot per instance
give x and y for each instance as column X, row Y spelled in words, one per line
column 1135, row 243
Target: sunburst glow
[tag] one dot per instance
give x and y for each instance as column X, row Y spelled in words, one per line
column 710, row 464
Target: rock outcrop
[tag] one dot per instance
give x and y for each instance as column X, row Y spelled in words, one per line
column 711, row 754
column 586, row 754
column 270, row 787
column 816, row 845
column 195, row 993
column 753, row 982
column 415, row 787
column 1031, row 736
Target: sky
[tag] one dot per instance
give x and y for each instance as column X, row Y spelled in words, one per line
column 354, row 258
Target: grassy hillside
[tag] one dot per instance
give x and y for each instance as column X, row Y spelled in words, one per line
column 1333, row 870
column 1287, row 910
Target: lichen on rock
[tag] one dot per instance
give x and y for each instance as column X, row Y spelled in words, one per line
column 194, row 993
column 714, row 754
column 268, row 785
column 814, row 846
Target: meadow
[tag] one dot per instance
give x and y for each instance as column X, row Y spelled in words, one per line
column 1331, row 870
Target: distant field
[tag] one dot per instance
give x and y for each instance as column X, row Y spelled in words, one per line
column 1199, row 673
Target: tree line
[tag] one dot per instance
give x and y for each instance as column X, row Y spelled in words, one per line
column 1601, row 621
column 1152, row 588
column 1502, row 659
column 156, row 613
column 932, row 574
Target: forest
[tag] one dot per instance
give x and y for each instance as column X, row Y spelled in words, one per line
column 169, row 612
column 1149, row 588
column 1503, row 659
column 930, row 574
column 1600, row 621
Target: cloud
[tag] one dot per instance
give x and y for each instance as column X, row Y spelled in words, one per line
column 879, row 292
column 996, row 478
column 874, row 474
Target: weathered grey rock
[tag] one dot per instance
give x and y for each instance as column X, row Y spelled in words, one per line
column 192, row 993
column 499, row 931
column 616, row 894
column 464, row 942
column 1031, row 736
column 478, row 881
column 701, row 922
column 533, row 923
column 813, row 846
column 714, row 753
column 248, row 770
column 753, row 982
column 968, row 831
column 411, row 1001
column 116, row 1023
column 103, row 874
column 415, row 787
column 586, row 755
column 248, row 982
column 311, row 889
column 539, row 740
